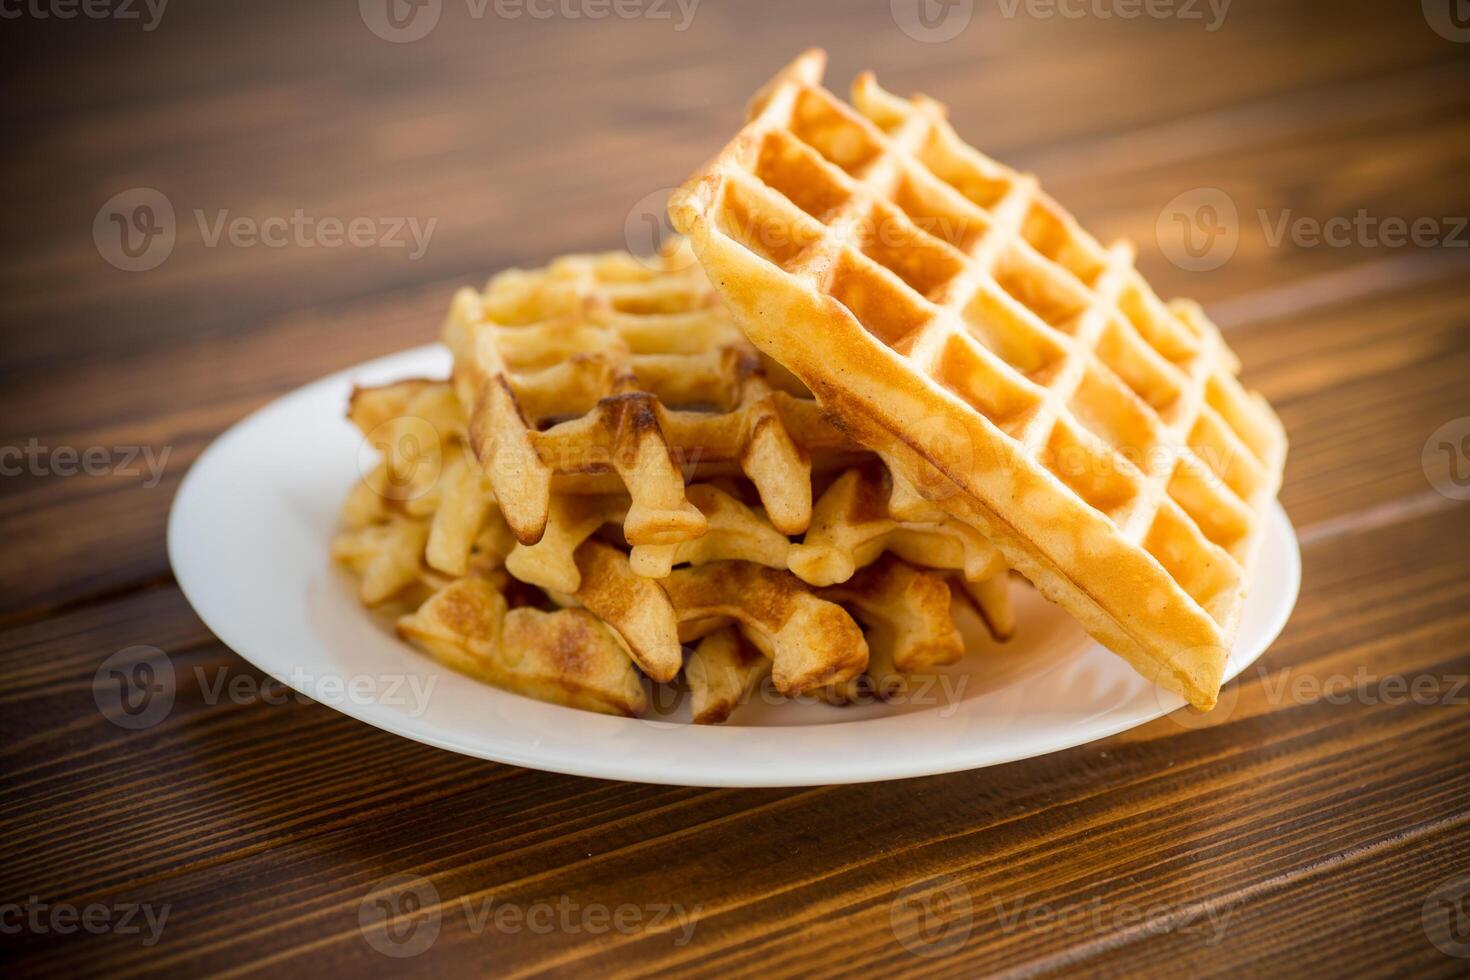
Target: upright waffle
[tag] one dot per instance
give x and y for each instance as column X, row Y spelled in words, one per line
column 961, row 323
column 606, row 372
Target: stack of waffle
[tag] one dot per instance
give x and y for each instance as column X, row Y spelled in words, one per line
column 612, row 486
column 914, row 371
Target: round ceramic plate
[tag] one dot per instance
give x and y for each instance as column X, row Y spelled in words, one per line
column 248, row 538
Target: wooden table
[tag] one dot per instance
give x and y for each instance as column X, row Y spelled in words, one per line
column 1310, row 823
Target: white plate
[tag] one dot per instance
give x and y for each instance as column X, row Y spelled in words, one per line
column 248, row 539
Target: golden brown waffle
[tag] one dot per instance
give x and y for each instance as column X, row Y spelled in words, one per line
column 444, row 551
column 810, row 642
column 906, row 611
column 607, row 366
column 855, row 521
column 419, row 428
column 860, row 514
column 564, row 656
column 906, row 615
column 858, row 517
column 723, row 671
column 386, row 557
column 958, row 321
column 735, row 533
column 409, row 423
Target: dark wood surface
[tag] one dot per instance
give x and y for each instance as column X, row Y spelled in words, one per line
column 1305, row 826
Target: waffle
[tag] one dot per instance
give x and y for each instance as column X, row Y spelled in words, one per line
column 859, row 517
column 1015, row 372
column 906, row 610
column 608, row 373
column 583, row 655
column 484, row 603
column 906, row 615
column 564, row 656
column 735, row 532
column 419, row 428
column 810, row 641
column 723, row 671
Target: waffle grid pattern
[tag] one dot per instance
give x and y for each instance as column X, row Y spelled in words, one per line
column 1016, row 316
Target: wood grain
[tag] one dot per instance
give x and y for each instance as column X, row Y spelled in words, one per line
column 1299, row 829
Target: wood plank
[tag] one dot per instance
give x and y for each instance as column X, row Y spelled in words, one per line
column 1361, row 387
column 1377, row 889
column 1415, row 143
column 324, row 133
column 1234, row 812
